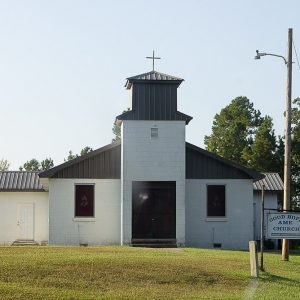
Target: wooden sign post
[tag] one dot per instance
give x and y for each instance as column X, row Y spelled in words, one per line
column 253, row 259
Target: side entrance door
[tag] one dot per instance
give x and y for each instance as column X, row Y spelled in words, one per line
column 25, row 221
column 154, row 210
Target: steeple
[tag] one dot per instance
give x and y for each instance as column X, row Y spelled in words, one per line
column 153, row 97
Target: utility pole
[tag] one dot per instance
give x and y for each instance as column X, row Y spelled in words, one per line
column 287, row 149
column 262, row 228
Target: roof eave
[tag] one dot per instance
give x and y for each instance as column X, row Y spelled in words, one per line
column 129, row 82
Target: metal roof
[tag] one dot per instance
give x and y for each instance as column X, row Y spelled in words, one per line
column 20, row 181
column 152, row 76
column 272, row 182
column 202, row 164
column 104, row 162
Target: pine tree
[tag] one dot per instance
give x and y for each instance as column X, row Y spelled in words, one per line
column 233, row 129
column 262, row 153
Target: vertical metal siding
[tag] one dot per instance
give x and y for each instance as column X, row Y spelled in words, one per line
column 154, row 101
column 103, row 165
column 199, row 166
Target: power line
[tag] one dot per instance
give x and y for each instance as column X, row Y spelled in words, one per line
column 296, row 54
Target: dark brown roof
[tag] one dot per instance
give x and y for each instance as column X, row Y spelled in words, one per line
column 132, row 115
column 152, row 76
column 102, row 163
column 20, row 181
column 272, row 182
column 202, row 164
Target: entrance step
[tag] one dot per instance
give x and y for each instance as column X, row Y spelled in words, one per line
column 24, row 243
column 154, row 243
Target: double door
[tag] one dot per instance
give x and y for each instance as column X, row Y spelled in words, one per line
column 154, row 210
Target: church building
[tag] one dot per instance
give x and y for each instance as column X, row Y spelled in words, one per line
column 151, row 187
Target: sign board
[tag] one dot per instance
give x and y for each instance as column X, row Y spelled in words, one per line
column 283, row 225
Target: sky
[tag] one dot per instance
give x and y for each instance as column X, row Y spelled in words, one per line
column 63, row 66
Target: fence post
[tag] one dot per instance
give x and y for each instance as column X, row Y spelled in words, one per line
column 253, row 258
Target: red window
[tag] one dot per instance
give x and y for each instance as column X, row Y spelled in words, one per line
column 84, row 200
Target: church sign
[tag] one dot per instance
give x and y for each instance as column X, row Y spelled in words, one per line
column 283, row 225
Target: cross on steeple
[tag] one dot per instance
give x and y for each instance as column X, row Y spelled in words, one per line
column 153, row 58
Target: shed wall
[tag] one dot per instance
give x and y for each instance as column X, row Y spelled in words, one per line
column 271, row 201
column 9, row 216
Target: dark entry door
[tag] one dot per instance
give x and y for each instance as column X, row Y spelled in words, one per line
column 154, row 210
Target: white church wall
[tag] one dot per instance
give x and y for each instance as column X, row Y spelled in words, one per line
column 233, row 231
column 103, row 229
column 9, row 215
column 270, row 202
column 146, row 159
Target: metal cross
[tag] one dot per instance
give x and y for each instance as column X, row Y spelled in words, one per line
column 153, row 58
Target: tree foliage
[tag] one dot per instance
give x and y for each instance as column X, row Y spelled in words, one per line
column 233, row 129
column 295, row 154
column 4, row 164
column 240, row 134
column 262, row 153
column 47, row 164
column 117, row 132
column 35, row 165
column 117, row 129
column 31, row 165
column 70, row 156
column 83, row 151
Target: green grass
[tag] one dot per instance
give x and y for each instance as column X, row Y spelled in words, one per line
column 136, row 273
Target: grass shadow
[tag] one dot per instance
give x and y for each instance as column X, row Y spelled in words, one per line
column 268, row 277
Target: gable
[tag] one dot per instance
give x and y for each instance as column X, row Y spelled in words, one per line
column 202, row 164
column 103, row 163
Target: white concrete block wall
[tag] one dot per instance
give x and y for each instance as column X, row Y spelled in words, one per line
column 146, row 159
column 103, row 229
column 270, row 202
column 235, row 230
column 9, row 215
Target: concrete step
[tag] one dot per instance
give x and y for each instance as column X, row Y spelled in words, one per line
column 24, row 243
column 154, row 243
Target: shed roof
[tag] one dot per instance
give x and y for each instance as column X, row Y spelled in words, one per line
column 272, row 182
column 20, row 181
column 152, row 76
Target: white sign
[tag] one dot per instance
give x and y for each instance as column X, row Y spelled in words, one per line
column 283, row 225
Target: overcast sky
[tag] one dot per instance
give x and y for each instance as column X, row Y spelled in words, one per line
column 63, row 65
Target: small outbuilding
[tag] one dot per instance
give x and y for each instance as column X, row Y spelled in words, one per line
column 23, row 209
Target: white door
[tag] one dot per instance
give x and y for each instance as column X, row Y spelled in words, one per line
column 25, row 221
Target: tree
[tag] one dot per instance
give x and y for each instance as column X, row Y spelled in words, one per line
column 70, row 156
column 117, row 129
column 85, row 150
column 4, row 164
column 47, row 164
column 262, row 153
column 31, row 165
column 233, row 129
column 117, row 132
column 295, row 155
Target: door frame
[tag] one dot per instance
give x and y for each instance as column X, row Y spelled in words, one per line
column 19, row 205
column 175, row 205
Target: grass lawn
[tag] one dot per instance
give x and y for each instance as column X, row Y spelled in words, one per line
column 136, row 273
